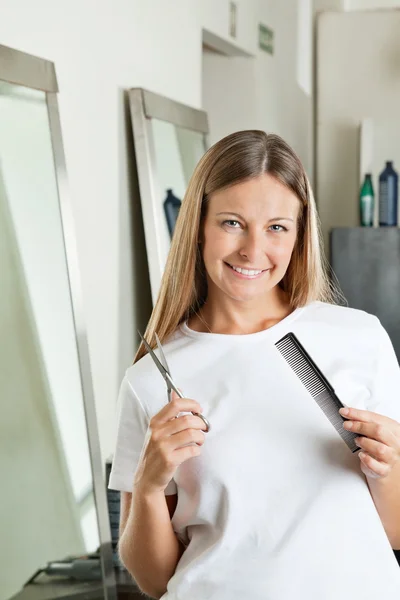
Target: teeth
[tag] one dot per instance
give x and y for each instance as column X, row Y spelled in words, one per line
column 246, row 271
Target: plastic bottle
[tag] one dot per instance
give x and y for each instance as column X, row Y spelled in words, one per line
column 367, row 202
column 172, row 205
column 388, row 196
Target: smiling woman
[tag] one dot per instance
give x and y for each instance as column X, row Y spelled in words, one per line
column 251, row 499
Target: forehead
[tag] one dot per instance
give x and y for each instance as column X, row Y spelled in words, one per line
column 262, row 194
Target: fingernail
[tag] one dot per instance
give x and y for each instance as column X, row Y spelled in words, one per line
column 344, row 411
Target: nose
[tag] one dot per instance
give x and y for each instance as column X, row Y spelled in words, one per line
column 253, row 247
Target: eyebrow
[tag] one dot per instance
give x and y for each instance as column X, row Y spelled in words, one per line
column 240, row 216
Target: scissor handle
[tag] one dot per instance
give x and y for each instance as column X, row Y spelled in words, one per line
column 206, row 422
column 169, row 391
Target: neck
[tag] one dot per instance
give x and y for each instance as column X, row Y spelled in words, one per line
column 238, row 318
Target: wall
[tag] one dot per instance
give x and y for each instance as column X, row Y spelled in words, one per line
column 321, row 5
column 101, row 49
column 270, row 92
column 347, row 5
column 371, row 4
column 352, row 86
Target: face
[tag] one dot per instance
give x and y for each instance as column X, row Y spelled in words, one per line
column 248, row 237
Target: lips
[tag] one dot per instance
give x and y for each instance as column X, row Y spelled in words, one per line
column 244, row 275
column 245, row 268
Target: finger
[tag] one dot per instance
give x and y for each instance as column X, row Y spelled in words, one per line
column 185, row 437
column 173, row 408
column 376, row 431
column 174, row 395
column 380, row 452
column 184, row 422
column 363, row 415
column 372, row 467
column 186, row 452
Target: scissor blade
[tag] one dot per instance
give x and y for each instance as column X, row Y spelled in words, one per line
column 159, row 366
column 162, row 355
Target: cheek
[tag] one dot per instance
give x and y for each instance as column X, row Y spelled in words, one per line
column 282, row 248
column 221, row 245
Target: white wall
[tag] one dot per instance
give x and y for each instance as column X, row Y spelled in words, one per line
column 270, row 92
column 101, row 49
column 353, row 86
column 321, row 5
column 213, row 15
column 347, row 5
column 371, row 4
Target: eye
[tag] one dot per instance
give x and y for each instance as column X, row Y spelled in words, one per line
column 231, row 223
column 281, row 228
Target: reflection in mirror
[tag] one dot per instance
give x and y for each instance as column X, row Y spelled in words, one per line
column 47, row 504
column 177, row 151
column 169, row 140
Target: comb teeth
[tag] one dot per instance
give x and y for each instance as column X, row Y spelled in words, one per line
column 316, row 384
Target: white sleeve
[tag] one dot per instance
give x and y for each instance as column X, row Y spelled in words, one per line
column 132, row 431
column 385, row 397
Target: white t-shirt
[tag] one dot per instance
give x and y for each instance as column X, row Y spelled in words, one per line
column 276, row 507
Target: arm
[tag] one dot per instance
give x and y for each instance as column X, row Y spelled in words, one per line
column 146, row 457
column 386, row 495
column 148, row 546
column 386, row 491
column 385, row 401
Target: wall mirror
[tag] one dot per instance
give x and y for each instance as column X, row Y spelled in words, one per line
column 169, row 139
column 53, row 509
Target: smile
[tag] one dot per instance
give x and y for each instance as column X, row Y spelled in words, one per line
column 246, row 273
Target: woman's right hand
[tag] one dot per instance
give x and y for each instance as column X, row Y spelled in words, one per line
column 167, row 444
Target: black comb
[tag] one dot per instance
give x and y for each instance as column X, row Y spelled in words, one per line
column 316, row 384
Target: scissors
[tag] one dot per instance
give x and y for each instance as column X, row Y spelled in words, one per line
column 165, row 372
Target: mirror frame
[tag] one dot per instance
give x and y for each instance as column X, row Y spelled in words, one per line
column 144, row 106
column 23, row 69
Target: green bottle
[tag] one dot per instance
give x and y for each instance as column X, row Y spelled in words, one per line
column 367, row 202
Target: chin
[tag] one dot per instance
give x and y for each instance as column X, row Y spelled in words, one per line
column 241, row 295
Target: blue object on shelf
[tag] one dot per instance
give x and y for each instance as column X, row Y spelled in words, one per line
column 388, row 196
column 172, row 205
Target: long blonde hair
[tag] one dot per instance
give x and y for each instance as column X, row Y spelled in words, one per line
column 237, row 157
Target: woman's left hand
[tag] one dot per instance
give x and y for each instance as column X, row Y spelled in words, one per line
column 381, row 445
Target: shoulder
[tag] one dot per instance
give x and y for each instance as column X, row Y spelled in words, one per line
column 344, row 317
column 334, row 330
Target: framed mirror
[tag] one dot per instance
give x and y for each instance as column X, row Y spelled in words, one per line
column 169, row 139
column 54, row 519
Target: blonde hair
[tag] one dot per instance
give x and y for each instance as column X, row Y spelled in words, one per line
column 237, row 157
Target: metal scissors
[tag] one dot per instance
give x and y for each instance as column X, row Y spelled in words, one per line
column 165, row 372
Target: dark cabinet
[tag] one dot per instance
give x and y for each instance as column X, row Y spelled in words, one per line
column 366, row 261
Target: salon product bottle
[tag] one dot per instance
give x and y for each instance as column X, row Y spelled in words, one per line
column 172, row 205
column 367, row 202
column 388, row 196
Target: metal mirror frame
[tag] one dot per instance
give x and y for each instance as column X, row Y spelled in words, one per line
column 23, row 69
column 144, row 106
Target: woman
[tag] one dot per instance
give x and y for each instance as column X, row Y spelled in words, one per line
column 270, row 503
